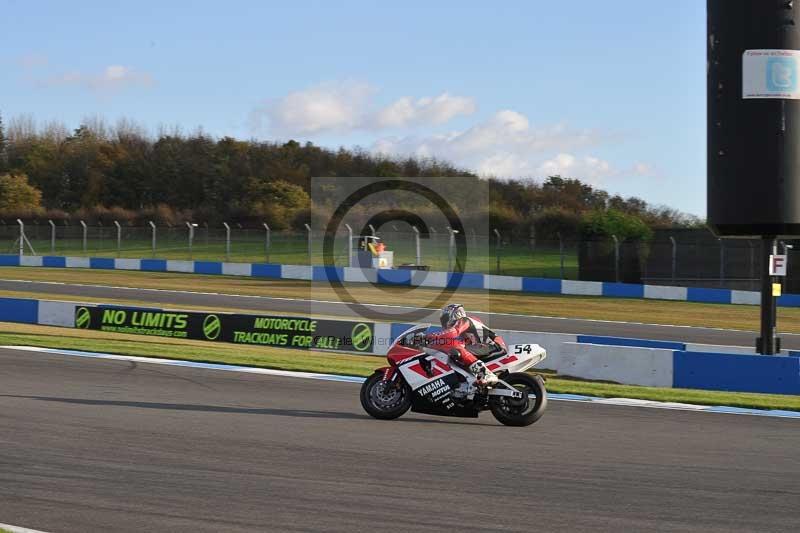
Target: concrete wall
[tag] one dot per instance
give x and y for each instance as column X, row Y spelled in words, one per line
column 651, row 367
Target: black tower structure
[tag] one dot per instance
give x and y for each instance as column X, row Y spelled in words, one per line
column 753, row 96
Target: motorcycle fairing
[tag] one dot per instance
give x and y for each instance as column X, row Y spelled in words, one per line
column 437, row 396
column 423, row 368
column 432, row 380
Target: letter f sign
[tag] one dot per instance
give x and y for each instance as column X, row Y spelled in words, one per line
column 777, row 265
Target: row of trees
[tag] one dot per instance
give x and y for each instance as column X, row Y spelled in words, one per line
column 122, row 173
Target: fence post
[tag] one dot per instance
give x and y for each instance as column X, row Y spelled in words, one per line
column 721, row 262
column 497, row 249
column 85, row 230
column 674, row 257
column 308, row 229
column 349, row 245
column 786, row 248
column 616, row 258
column 21, row 237
column 418, row 250
column 451, row 248
column 561, row 253
column 52, row 237
column 227, row 241
column 267, row 242
column 474, row 238
column 153, row 237
column 191, row 238
column 433, row 240
column 119, row 238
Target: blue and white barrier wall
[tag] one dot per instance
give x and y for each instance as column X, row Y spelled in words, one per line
column 62, row 314
column 407, row 278
column 621, row 360
column 678, row 365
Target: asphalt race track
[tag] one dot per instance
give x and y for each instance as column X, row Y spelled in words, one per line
column 98, row 445
column 175, row 299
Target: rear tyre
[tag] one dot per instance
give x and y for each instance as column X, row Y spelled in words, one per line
column 522, row 412
column 385, row 400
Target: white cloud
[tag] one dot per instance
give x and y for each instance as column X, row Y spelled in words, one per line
column 112, row 78
column 644, row 169
column 436, row 110
column 588, row 168
column 503, row 164
column 505, row 131
column 506, row 145
column 349, row 106
column 325, row 107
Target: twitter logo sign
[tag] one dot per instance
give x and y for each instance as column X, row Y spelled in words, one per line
column 782, row 74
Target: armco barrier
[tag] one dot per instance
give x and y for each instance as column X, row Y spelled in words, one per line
column 624, row 341
column 408, row 278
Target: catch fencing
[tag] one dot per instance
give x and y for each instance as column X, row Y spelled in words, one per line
column 687, row 258
column 440, row 249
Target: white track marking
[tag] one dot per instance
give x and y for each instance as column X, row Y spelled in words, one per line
column 627, row 402
column 17, row 529
column 189, row 364
column 390, row 306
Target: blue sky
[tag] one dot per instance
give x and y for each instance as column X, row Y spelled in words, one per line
column 611, row 92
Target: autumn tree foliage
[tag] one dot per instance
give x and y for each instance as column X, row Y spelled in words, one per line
column 102, row 171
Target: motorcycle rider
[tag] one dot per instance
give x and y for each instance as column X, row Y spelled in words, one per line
column 459, row 331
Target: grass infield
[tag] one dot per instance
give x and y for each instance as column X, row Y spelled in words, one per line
column 342, row 364
column 515, row 260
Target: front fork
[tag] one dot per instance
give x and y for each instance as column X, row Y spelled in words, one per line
column 389, row 375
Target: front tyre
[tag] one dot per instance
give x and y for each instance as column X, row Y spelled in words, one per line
column 384, row 400
column 522, row 412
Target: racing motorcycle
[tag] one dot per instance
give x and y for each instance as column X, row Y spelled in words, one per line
column 423, row 380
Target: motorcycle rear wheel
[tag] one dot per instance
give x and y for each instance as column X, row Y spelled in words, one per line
column 520, row 413
column 382, row 400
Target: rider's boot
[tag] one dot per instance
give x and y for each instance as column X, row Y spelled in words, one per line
column 485, row 376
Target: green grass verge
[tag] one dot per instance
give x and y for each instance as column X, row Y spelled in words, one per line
column 345, row 364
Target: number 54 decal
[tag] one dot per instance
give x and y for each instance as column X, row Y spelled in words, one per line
column 520, row 349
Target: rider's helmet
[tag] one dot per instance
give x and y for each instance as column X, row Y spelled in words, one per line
column 451, row 314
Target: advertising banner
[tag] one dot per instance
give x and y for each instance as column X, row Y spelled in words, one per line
column 260, row 330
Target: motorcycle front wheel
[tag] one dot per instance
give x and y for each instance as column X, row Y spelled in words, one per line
column 522, row 412
column 384, row 400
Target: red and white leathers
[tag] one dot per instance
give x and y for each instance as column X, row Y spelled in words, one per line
column 465, row 332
